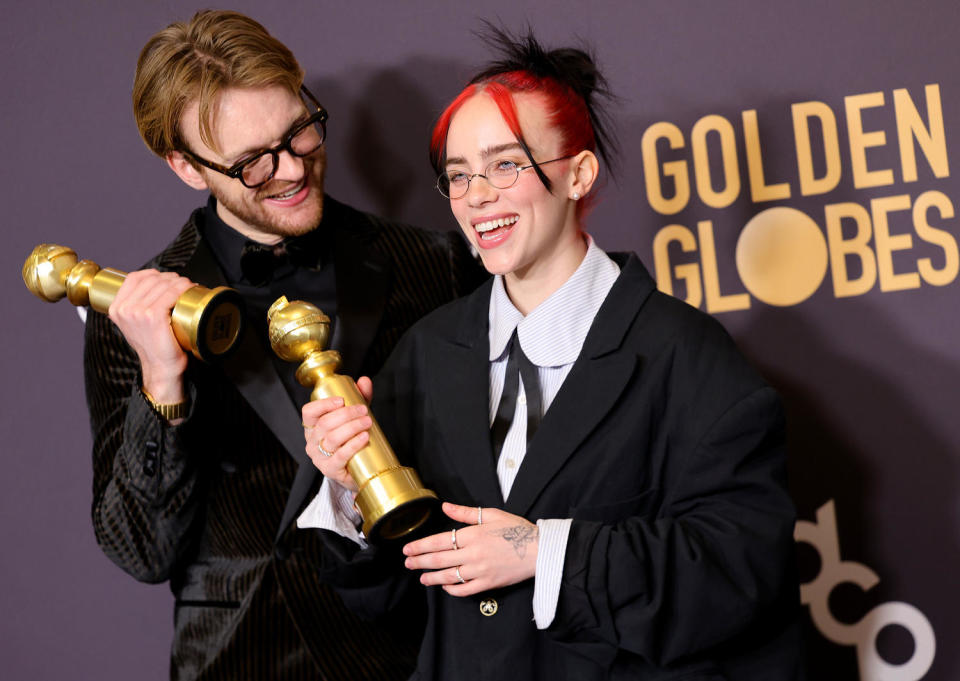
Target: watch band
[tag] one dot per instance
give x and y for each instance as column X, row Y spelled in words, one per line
column 167, row 411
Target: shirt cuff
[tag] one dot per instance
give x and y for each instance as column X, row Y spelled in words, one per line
column 332, row 509
column 551, row 550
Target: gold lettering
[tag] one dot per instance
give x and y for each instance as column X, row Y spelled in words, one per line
column 860, row 141
column 931, row 138
column 673, row 169
column 938, row 237
column 701, row 161
column 858, row 247
column 688, row 273
column 809, row 183
column 716, row 302
column 759, row 189
column 887, row 243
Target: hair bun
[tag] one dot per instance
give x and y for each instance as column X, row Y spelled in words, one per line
column 571, row 66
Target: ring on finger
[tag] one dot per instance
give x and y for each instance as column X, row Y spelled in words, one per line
column 479, row 515
column 453, row 539
column 322, row 450
column 459, row 576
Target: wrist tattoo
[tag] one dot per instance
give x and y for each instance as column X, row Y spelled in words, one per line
column 520, row 536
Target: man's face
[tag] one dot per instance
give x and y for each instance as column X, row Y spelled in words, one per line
column 246, row 121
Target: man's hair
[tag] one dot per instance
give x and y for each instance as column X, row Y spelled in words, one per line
column 197, row 61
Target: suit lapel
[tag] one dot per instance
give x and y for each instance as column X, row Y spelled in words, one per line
column 363, row 278
column 459, row 379
column 590, row 391
column 252, row 373
column 256, row 379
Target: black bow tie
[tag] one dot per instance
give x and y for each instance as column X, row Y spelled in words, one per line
column 259, row 262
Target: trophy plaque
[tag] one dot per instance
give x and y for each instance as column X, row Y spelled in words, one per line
column 391, row 499
column 206, row 322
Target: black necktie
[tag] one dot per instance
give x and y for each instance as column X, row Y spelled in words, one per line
column 517, row 366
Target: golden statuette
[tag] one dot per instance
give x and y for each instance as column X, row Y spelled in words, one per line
column 391, row 499
column 205, row 321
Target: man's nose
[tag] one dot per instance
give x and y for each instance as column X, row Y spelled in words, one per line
column 289, row 167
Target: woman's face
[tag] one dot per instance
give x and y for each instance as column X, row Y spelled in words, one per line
column 524, row 231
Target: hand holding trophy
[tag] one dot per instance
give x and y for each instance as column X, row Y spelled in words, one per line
column 391, row 499
column 205, row 322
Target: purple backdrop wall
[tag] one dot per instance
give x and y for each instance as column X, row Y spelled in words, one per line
column 854, row 320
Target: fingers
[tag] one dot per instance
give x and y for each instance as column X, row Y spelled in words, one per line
column 468, row 515
column 148, row 294
column 335, row 465
column 141, row 310
column 340, row 431
column 312, row 411
column 365, row 386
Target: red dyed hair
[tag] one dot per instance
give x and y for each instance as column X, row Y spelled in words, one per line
column 566, row 112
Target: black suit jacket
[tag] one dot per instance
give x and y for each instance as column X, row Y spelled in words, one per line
column 667, row 451
column 209, row 504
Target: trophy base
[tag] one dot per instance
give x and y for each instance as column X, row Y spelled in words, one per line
column 394, row 503
column 208, row 322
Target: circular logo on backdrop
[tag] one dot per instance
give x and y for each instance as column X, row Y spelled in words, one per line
column 782, row 256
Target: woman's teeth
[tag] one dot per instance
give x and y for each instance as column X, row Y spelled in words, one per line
column 493, row 224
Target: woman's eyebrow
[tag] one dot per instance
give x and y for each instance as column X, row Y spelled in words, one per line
column 487, row 153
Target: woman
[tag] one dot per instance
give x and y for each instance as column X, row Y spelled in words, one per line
column 616, row 469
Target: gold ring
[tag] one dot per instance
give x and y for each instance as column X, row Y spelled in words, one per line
column 459, row 576
column 479, row 515
column 322, row 450
column 453, row 539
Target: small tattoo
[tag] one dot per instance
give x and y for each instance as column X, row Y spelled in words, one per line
column 520, row 536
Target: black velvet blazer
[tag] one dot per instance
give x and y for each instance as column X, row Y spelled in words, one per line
column 209, row 504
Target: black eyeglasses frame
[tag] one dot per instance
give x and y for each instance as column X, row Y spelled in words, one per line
column 236, row 170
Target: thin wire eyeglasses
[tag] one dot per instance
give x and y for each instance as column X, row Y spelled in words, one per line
column 301, row 140
column 501, row 174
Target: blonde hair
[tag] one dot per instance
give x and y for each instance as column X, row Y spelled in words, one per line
column 197, row 61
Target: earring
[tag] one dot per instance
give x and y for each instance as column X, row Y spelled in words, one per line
column 576, row 196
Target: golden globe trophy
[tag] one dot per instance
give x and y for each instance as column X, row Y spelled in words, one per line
column 391, row 499
column 205, row 322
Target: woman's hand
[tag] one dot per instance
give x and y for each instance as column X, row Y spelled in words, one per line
column 500, row 551
column 334, row 433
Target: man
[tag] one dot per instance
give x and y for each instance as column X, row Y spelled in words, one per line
column 199, row 468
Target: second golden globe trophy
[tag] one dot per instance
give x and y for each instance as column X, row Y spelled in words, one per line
column 391, row 499
column 206, row 322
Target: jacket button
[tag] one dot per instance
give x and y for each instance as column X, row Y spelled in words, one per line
column 488, row 607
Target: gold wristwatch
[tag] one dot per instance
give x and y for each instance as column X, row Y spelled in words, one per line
column 167, row 411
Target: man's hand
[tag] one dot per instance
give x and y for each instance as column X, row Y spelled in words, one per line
column 141, row 310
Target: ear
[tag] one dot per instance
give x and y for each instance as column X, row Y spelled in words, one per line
column 585, row 168
column 185, row 170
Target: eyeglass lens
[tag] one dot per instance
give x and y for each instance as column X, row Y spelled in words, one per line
column 303, row 142
column 501, row 174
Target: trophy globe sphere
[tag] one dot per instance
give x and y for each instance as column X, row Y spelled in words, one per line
column 297, row 329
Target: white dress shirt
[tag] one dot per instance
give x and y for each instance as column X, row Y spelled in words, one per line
column 551, row 337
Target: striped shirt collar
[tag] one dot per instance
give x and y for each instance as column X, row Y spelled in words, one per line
column 554, row 332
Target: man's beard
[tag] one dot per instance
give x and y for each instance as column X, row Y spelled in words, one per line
column 260, row 217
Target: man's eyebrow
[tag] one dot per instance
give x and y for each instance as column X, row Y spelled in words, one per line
column 486, row 153
column 239, row 156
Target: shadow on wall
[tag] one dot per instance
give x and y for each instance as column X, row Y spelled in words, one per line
column 380, row 152
column 828, row 461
